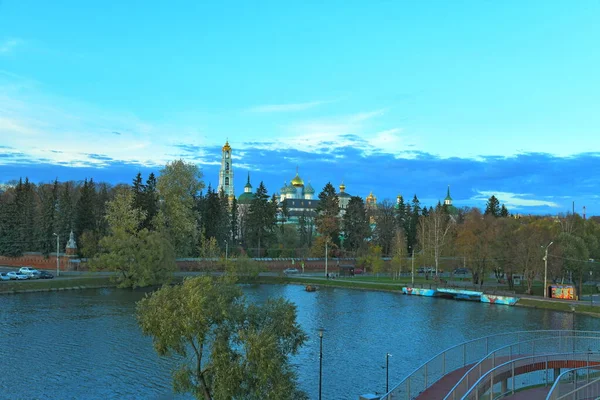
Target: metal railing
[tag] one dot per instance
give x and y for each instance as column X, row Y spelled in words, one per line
column 564, row 342
column 464, row 356
column 501, row 380
column 576, row 383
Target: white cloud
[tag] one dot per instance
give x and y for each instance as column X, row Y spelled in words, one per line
column 274, row 108
column 514, row 200
column 8, row 45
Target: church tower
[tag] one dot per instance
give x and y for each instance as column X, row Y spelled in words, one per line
column 448, row 199
column 226, row 172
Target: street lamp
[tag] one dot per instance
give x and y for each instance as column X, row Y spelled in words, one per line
column 546, row 270
column 321, row 330
column 327, row 240
column 387, row 372
column 57, row 256
column 226, row 252
column 412, row 274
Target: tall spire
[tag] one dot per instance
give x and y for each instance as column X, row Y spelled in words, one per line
column 248, row 178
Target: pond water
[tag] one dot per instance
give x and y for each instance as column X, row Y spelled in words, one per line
column 87, row 345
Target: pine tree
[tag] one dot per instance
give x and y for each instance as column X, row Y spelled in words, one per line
column 262, row 218
column 49, row 195
column 356, row 224
column 327, row 220
column 233, row 222
column 85, row 210
column 10, row 243
column 504, row 211
column 400, row 212
column 138, row 190
column 150, row 201
column 492, row 207
column 64, row 222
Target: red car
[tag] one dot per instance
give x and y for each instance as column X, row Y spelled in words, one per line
column 358, row 271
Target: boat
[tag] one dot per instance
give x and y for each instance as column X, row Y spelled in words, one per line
column 310, row 288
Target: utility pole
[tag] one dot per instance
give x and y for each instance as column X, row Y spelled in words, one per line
column 226, row 252
column 546, row 270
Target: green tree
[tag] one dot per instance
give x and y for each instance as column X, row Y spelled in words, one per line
column 504, row 211
column 140, row 257
column 327, row 220
column 178, row 185
column 227, row 348
column 399, row 253
column 356, row 224
column 492, row 207
column 49, row 200
column 151, row 201
column 385, row 226
column 85, row 209
column 262, row 219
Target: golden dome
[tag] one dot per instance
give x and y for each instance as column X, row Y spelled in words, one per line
column 342, row 187
column 227, row 147
column 297, row 181
column 371, row 197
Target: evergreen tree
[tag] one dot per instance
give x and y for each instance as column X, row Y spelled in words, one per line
column 327, row 220
column 233, row 222
column 10, row 241
column 356, row 224
column 28, row 220
column 385, row 226
column 64, row 223
column 150, row 201
column 49, row 199
column 262, row 219
column 85, row 210
column 411, row 231
column 504, row 211
column 138, row 189
column 492, row 207
column 400, row 212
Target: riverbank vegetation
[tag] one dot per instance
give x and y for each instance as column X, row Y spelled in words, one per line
column 49, row 284
column 229, row 349
column 176, row 216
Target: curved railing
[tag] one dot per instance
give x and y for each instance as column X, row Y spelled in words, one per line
column 576, row 383
column 464, row 356
column 564, row 342
column 487, row 386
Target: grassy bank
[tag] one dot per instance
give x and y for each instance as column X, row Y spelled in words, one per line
column 559, row 306
column 322, row 283
column 49, row 284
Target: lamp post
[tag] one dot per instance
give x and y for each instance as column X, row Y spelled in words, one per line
column 320, row 362
column 546, row 270
column 413, row 267
column 57, row 254
column 387, row 372
column 226, row 252
column 326, row 257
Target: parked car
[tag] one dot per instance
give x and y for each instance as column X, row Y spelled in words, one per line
column 17, row 276
column 461, row 271
column 4, row 276
column 32, row 272
column 358, row 271
column 46, row 275
column 291, row 271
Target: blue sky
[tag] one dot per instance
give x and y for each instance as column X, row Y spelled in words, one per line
column 391, row 97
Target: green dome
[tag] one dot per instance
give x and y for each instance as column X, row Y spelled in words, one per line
column 309, row 189
column 245, row 198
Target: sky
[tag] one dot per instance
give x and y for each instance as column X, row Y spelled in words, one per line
column 390, row 97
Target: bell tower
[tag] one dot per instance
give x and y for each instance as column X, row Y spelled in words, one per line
column 226, row 172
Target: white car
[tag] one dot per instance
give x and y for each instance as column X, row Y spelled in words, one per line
column 17, row 275
column 34, row 273
column 4, row 276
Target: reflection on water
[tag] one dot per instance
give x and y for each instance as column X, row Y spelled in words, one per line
column 86, row 344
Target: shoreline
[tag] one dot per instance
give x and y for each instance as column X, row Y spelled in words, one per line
column 95, row 282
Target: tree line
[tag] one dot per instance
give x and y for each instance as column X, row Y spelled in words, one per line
column 174, row 215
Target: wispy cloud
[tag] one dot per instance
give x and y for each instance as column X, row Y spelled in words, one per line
column 289, row 107
column 515, row 200
column 8, row 45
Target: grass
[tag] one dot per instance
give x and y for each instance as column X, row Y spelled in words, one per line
column 329, row 283
column 559, row 306
column 45, row 284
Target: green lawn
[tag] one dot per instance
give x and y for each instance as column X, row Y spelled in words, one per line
column 10, row 286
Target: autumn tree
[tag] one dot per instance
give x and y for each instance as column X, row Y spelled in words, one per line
column 327, row 220
column 475, row 240
column 385, row 226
